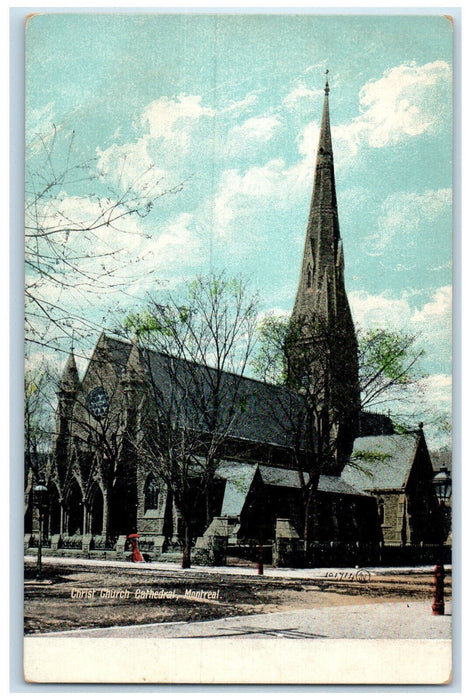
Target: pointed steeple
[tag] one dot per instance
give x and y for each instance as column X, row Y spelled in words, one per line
column 321, row 250
column 70, row 380
column 321, row 308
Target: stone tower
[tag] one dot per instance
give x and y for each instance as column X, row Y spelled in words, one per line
column 69, row 386
column 326, row 340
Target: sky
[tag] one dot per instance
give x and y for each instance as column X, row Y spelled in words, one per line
column 229, row 107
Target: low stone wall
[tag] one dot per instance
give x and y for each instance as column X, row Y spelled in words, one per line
column 214, row 548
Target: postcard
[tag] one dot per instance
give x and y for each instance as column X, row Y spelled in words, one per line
column 238, row 365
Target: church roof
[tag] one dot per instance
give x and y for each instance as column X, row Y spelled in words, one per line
column 381, row 462
column 239, row 477
column 260, row 417
column 70, row 379
column 289, row 478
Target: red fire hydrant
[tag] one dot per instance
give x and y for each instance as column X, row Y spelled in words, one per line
column 136, row 555
column 438, row 607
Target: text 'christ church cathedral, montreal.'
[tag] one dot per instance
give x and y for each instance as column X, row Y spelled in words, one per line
column 372, row 489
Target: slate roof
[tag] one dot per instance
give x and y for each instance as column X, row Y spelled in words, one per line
column 389, row 470
column 277, row 476
column 263, row 418
column 239, row 478
column 336, row 484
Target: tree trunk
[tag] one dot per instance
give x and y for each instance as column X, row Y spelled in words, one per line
column 209, row 515
column 307, row 520
column 186, row 557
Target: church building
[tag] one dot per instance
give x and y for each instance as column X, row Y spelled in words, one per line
column 100, row 490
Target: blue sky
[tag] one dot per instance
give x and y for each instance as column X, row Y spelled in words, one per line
column 231, row 105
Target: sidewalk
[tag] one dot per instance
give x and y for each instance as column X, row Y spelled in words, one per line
column 405, row 620
column 335, row 573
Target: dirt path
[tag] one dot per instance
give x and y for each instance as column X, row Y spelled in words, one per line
column 74, row 597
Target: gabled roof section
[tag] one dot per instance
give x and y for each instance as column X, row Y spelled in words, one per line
column 109, row 349
column 262, row 411
column 289, row 478
column 381, row 462
column 239, row 478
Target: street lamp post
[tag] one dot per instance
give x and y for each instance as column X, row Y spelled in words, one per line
column 442, row 486
column 40, row 492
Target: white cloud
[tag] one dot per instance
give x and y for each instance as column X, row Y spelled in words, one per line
column 436, row 311
column 379, row 310
column 243, row 194
column 307, row 141
column 434, row 322
column 173, row 119
column 176, row 245
column 272, row 184
column 404, row 103
column 40, row 127
column 300, row 94
column 84, row 274
column 431, row 322
column 436, row 402
column 130, row 166
column 431, row 398
column 252, row 132
column 403, row 213
column 239, row 106
column 154, row 159
column 438, row 388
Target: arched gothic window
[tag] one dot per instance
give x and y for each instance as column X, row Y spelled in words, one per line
column 151, row 493
column 309, row 277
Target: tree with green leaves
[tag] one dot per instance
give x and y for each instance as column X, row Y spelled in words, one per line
column 389, row 364
column 202, row 339
column 388, row 368
column 312, row 358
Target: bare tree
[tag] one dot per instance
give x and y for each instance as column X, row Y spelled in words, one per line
column 73, row 219
column 38, row 411
column 197, row 347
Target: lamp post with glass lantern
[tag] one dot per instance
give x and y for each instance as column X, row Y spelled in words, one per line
column 40, row 493
column 442, row 486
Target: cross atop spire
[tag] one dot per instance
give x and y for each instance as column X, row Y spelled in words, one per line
column 326, row 88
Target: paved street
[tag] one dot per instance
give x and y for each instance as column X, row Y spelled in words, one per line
column 412, row 620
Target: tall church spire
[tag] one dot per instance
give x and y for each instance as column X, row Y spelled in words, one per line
column 321, row 308
column 321, row 250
